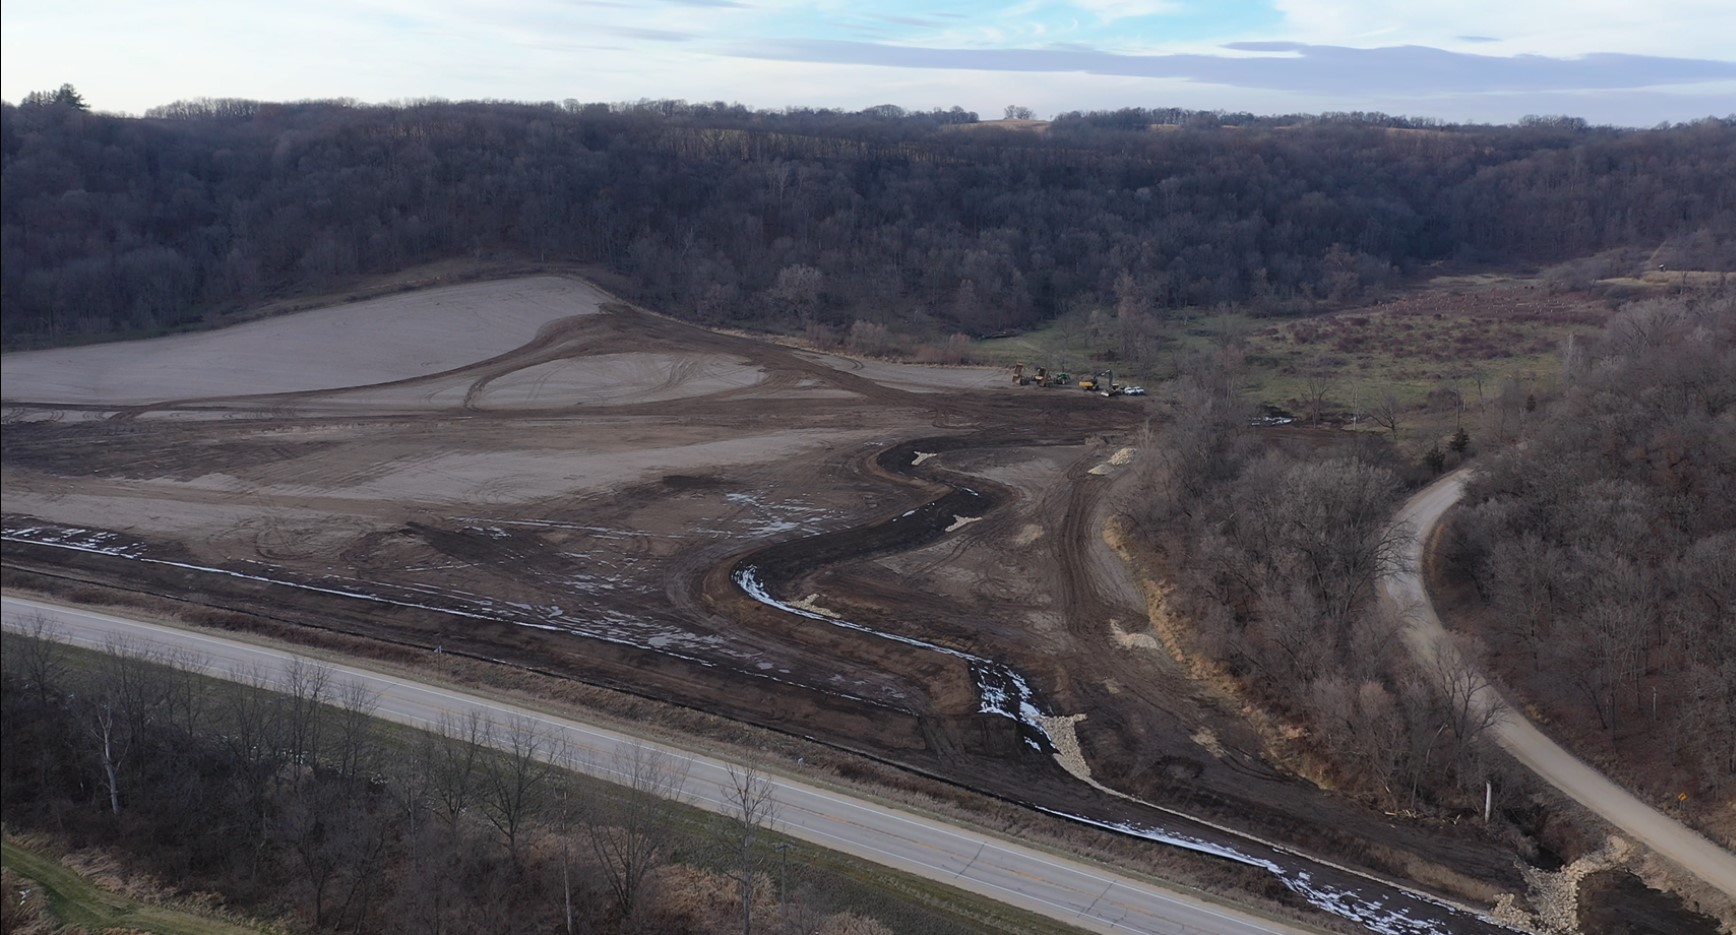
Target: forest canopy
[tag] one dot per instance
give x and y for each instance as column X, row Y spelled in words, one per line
column 721, row 213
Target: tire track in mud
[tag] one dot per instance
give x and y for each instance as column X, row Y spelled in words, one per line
column 551, row 335
column 613, row 328
column 1090, row 608
column 765, row 572
column 1035, row 423
column 781, row 562
column 1380, row 905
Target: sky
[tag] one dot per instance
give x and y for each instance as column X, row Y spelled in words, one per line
column 1623, row 62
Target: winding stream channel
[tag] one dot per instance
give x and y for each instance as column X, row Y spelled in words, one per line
column 1379, row 905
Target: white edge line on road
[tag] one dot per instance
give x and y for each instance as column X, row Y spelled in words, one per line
column 814, row 835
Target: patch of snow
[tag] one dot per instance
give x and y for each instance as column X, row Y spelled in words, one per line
column 1001, row 690
column 1371, row 912
column 776, row 518
column 605, row 626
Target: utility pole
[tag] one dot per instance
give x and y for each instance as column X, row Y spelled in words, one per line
column 783, row 885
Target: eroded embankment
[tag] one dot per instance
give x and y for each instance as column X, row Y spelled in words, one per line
column 783, row 562
column 765, row 575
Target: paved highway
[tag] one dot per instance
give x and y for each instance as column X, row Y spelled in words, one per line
column 1089, row 897
column 1426, row 636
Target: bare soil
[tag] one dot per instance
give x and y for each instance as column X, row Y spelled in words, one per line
column 1615, row 902
column 563, row 483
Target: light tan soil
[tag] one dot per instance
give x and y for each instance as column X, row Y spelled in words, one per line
column 346, row 345
column 527, row 472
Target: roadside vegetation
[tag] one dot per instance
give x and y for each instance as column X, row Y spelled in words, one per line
column 1601, row 554
column 1271, row 551
column 44, row 894
column 1331, row 271
column 298, row 807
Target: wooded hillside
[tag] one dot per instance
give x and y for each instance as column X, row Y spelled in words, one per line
column 1605, row 549
column 722, row 213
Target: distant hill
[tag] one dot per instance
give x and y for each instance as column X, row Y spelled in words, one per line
column 801, row 217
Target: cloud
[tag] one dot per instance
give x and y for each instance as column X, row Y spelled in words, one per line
column 1686, row 28
column 1111, row 10
column 906, row 20
column 653, row 35
column 1386, row 71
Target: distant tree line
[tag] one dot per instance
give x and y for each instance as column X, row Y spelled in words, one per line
column 919, row 219
column 1605, row 546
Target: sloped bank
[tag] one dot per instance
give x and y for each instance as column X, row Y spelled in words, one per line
column 765, row 575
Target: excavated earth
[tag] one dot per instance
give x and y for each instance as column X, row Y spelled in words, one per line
column 901, row 561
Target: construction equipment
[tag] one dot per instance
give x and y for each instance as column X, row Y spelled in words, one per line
column 1098, row 382
column 1042, row 377
column 1102, row 383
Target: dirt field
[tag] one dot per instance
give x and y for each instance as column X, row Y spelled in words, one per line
column 902, row 561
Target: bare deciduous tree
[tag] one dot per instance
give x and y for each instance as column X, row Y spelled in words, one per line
column 516, row 777
column 1467, row 708
column 122, row 700
column 40, row 659
column 253, row 744
column 354, row 750
column 1316, row 386
column 630, row 832
column 797, row 291
column 1362, row 726
column 1387, row 412
column 336, row 839
column 304, row 692
column 452, row 756
column 753, row 809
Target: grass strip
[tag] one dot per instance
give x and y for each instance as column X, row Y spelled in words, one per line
column 76, row 901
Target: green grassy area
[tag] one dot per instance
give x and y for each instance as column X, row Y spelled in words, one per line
column 76, row 901
column 1472, row 336
column 1483, row 280
column 1366, row 351
column 1066, row 344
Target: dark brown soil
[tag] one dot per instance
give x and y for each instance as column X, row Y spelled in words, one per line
column 1618, row 903
column 631, row 584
